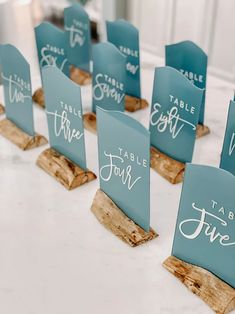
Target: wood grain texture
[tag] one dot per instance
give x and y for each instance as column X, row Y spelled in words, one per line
column 2, row 109
column 63, row 170
column 133, row 104
column 79, row 76
column 167, row 167
column 112, row 218
column 212, row 290
column 17, row 136
column 89, row 121
column 38, row 97
column 202, row 130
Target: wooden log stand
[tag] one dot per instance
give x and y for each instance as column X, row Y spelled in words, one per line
column 89, row 121
column 212, row 290
column 79, row 76
column 2, row 109
column 63, row 170
column 17, row 136
column 167, row 167
column 38, row 97
column 113, row 218
column 202, row 130
column 133, row 104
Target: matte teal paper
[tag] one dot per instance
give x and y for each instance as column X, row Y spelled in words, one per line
column 124, row 149
column 78, row 36
column 125, row 37
column 109, row 77
column 1, row 64
column 17, row 88
column 174, row 114
column 227, row 161
column 205, row 228
column 51, row 47
column 190, row 60
column 64, row 115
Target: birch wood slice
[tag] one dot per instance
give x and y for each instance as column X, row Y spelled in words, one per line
column 212, row 290
column 89, row 121
column 202, row 130
column 113, row 219
column 17, row 136
column 64, row 170
column 38, row 97
column 167, row 167
column 2, row 109
column 79, row 76
column 133, row 104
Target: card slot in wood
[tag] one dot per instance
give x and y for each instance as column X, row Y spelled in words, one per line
column 114, row 219
column 167, row 167
column 63, row 169
column 20, row 138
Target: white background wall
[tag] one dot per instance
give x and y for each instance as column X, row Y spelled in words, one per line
column 209, row 23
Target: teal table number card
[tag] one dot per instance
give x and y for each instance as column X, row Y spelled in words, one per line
column 78, row 36
column 65, row 160
column 18, row 126
column 1, row 64
column 124, row 159
column 125, row 37
column 2, row 109
column 190, row 60
column 64, row 115
column 17, row 88
column 109, row 78
column 51, row 47
column 174, row 114
column 227, row 161
column 205, row 228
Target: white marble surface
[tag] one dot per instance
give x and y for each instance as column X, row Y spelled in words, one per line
column 55, row 257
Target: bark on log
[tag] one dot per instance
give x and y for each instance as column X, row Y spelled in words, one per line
column 202, row 130
column 63, row 170
column 79, row 76
column 2, row 109
column 133, row 104
column 89, row 121
column 167, row 167
column 113, row 218
column 212, row 290
column 38, row 97
column 17, row 136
